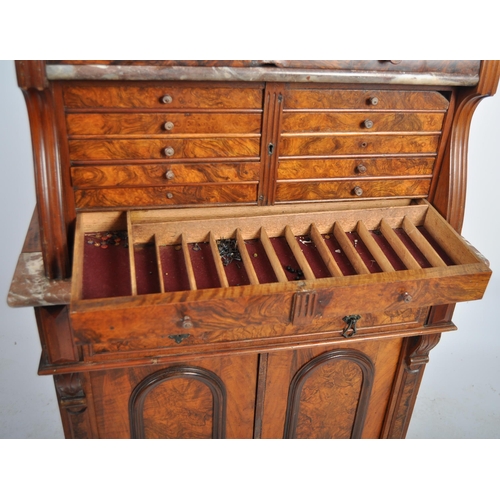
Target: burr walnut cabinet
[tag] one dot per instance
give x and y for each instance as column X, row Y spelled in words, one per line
column 240, row 249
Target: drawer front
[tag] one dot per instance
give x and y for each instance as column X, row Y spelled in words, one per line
column 162, row 174
column 352, row 189
column 354, row 167
column 163, row 123
column 361, row 122
column 169, row 195
column 364, row 100
column 163, row 97
column 362, row 144
column 168, row 148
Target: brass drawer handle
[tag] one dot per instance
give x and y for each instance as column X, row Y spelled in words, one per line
column 169, row 151
column 168, row 126
column 368, row 124
column 166, row 99
column 358, row 191
column 360, row 169
column 351, row 325
column 169, row 175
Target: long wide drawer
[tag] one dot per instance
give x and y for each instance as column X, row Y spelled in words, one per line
column 147, row 274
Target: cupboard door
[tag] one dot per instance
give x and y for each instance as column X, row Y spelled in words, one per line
column 330, row 392
column 202, row 398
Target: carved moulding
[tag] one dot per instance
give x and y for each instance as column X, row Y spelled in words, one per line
column 295, row 392
column 210, row 379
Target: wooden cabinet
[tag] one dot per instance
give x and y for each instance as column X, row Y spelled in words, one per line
column 228, row 249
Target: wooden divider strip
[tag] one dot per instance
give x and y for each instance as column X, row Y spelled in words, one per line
column 159, row 266
column 374, row 248
column 299, row 256
column 271, row 255
column 131, row 255
column 349, row 250
column 398, row 246
column 424, row 246
column 324, row 252
column 189, row 264
column 218, row 262
column 245, row 257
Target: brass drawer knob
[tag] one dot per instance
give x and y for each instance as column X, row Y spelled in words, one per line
column 368, row 124
column 168, row 126
column 166, row 99
column 169, row 151
column 358, row 191
column 169, row 175
column 170, row 196
column 373, row 101
column 186, row 322
column 360, row 169
column 407, row 298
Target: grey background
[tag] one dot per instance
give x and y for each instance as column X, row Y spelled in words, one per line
column 460, row 393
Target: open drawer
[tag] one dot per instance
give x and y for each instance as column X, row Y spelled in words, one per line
column 185, row 274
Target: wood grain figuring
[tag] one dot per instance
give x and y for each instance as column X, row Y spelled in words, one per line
column 123, row 149
column 329, row 396
column 133, row 96
column 296, row 122
column 298, row 191
column 349, row 167
column 164, row 196
column 156, row 175
column 355, row 145
column 360, row 99
column 142, row 124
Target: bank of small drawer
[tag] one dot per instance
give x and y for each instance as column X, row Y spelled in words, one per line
column 208, row 194
column 330, row 145
column 361, row 122
column 168, row 148
column 354, row 167
column 364, row 100
column 351, row 189
column 165, row 97
column 163, row 174
column 140, row 124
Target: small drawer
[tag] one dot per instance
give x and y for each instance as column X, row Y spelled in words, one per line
column 351, row 189
column 164, row 97
column 168, row 148
column 364, row 99
column 354, row 167
column 163, row 123
column 162, row 174
column 319, row 145
column 208, row 194
column 361, row 122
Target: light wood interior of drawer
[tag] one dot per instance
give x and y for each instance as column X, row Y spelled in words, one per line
column 126, row 254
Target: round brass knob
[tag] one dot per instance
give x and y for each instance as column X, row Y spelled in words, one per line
column 169, row 175
column 170, row 196
column 373, row 101
column 186, row 322
column 360, row 169
column 168, row 126
column 166, row 99
column 169, row 151
column 368, row 123
column 407, row 297
column 358, row 191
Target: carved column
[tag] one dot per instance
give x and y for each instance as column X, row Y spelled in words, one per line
column 75, row 414
column 48, row 169
column 414, row 357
